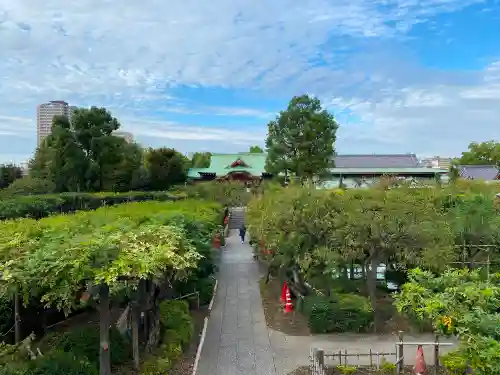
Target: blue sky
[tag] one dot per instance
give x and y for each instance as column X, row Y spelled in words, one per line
column 419, row 76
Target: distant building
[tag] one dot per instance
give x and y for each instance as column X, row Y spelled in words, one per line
column 45, row 114
column 358, row 171
column 479, row 172
column 125, row 135
column 436, row 162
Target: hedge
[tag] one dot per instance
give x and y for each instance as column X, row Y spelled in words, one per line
column 38, row 206
column 338, row 313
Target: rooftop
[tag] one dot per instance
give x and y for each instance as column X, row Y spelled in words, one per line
column 376, row 161
column 479, row 172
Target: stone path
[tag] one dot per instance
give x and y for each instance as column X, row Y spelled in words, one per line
column 237, row 340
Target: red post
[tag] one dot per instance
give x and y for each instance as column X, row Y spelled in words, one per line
column 288, row 304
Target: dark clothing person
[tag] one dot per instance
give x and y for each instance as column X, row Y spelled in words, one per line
column 243, row 232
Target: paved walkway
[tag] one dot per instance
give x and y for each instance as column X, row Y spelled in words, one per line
column 237, row 340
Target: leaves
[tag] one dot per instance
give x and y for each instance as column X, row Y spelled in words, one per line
column 462, row 303
column 55, row 258
column 301, row 139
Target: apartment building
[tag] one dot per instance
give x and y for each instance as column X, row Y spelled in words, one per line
column 45, row 114
column 436, row 162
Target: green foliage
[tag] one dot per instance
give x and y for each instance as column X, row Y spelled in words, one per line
column 53, row 363
column 83, row 342
column 177, row 330
column 28, row 185
column 483, row 153
column 346, row 369
column 63, row 254
column 460, row 303
column 256, row 150
column 6, row 315
column 87, row 156
column 227, row 193
column 38, row 206
column 166, row 168
column 338, row 313
column 301, row 139
column 454, row 362
column 201, row 160
column 8, row 174
column 386, row 368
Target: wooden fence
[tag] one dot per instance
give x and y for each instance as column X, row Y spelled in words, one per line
column 371, row 361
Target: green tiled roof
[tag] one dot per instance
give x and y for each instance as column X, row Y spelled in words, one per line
column 220, row 164
column 368, row 171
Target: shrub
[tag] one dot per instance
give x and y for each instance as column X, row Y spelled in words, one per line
column 339, row 313
column 177, row 329
column 38, row 206
column 84, row 342
column 6, row 315
column 204, row 286
column 53, row 363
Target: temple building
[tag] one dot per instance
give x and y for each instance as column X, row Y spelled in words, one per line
column 244, row 166
column 357, row 171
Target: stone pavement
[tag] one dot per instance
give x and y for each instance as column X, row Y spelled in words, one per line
column 237, row 339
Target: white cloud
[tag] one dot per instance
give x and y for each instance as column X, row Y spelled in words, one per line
column 129, row 55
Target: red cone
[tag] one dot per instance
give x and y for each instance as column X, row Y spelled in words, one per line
column 420, row 368
column 283, row 292
column 288, row 304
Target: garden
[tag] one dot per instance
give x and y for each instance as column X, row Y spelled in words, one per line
column 119, row 271
column 385, row 259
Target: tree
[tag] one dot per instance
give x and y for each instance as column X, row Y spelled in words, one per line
column 483, row 153
column 463, row 304
column 201, row 160
column 301, row 139
column 8, row 174
column 29, row 186
column 166, row 167
column 256, row 150
column 86, row 156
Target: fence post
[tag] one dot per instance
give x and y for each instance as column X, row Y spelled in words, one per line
column 436, row 354
column 321, row 360
column 400, row 351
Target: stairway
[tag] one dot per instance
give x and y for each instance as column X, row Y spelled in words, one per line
column 237, row 217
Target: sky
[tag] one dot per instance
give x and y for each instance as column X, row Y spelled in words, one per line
column 400, row 76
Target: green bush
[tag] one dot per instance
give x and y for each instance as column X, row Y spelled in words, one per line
column 53, row 363
column 38, row 206
column 338, row 313
column 6, row 315
column 177, row 330
column 204, row 286
column 84, row 342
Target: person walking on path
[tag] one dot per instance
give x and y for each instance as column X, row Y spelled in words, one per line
column 243, row 232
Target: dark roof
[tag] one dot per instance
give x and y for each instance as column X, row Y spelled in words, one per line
column 377, row 161
column 479, row 172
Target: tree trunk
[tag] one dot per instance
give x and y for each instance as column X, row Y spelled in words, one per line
column 351, row 271
column 136, row 314
column 371, row 283
column 104, row 322
column 17, row 318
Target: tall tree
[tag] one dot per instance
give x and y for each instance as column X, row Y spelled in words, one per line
column 201, row 160
column 8, row 174
column 483, row 153
column 301, row 139
column 166, row 167
column 86, row 156
column 256, row 150
column 93, row 130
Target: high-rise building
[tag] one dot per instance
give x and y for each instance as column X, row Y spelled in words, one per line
column 45, row 114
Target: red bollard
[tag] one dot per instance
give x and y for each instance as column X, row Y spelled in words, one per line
column 216, row 243
column 288, row 304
